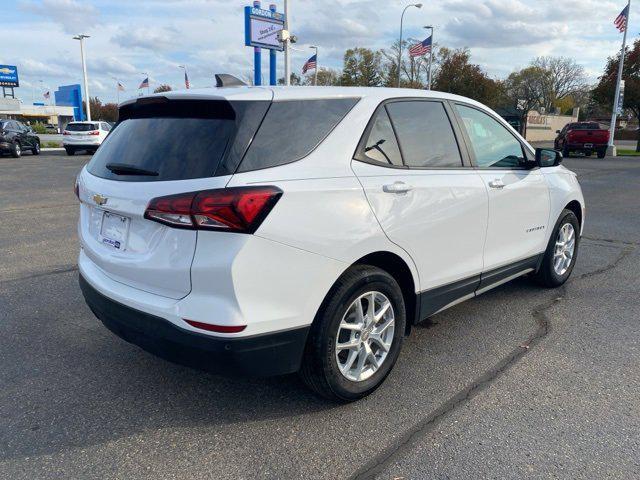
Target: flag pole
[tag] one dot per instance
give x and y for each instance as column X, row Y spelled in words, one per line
column 611, row 149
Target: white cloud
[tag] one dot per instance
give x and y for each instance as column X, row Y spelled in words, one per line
column 152, row 38
column 156, row 36
column 70, row 14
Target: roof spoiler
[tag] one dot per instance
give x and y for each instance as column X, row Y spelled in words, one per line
column 226, row 80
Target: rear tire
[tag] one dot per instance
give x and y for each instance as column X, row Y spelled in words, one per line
column 16, row 150
column 559, row 260
column 70, row 151
column 347, row 374
column 602, row 154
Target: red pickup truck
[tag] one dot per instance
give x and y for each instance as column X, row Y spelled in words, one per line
column 586, row 137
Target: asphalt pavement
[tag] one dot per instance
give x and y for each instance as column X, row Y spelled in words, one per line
column 520, row 382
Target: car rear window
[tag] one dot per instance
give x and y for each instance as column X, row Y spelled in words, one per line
column 178, row 139
column 585, row 126
column 292, row 129
column 81, row 127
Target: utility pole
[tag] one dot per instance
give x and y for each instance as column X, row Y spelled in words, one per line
column 81, row 37
column 417, row 5
column 287, row 53
column 611, row 149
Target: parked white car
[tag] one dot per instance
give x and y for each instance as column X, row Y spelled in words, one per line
column 86, row 136
column 265, row 231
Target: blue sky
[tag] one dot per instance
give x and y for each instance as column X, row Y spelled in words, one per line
column 130, row 37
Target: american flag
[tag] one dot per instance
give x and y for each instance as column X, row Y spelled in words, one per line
column 310, row 64
column 120, row 87
column 144, row 84
column 621, row 20
column 186, row 80
column 47, row 95
column 421, row 48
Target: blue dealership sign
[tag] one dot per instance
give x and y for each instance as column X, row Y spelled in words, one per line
column 261, row 28
column 9, row 76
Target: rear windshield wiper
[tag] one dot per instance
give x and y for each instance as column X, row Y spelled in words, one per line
column 124, row 169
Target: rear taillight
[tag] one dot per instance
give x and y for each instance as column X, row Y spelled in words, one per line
column 66, row 132
column 95, row 132
column 237, row 209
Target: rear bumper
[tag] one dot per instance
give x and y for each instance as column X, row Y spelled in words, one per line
column 581, row 146
column 269, row 354
column 81, row 146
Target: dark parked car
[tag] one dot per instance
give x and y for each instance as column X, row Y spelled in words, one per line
column 16, row 137
column 586, row 137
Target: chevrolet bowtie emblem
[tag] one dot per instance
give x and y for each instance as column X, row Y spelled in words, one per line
column 99, row 199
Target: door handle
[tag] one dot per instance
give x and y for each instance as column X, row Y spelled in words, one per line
column 496, row 184
column 397, row 187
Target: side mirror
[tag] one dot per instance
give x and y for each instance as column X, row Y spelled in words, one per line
column 546, row 157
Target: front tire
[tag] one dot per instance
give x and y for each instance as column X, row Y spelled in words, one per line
column 562, row 251
column 602, row 153
column 16, row 150
column 36, row 150
column 565, row 152
column 356, row 336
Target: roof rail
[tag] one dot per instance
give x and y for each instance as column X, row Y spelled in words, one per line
column 226, row 80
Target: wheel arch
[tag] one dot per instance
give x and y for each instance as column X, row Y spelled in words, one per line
column 576, row 208
column 398, row 268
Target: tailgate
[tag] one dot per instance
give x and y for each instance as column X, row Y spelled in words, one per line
column 129, row 248
column 590, row 136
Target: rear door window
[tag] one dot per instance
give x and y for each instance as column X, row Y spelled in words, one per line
column 178, row 140
column 81, row 127
column 292, row 129
column 425, row 134
column 381, row 145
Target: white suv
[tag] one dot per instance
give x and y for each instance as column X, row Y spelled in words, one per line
column 87, row 136
column 266, row 231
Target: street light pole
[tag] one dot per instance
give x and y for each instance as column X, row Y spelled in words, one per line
column 287, row 53
column 315, row 75
column 417, row 5
column 81, row 37
column 430, row 56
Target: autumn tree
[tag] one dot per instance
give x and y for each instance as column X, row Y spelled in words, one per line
column 414, row 69
column 362, row 68
column 560, row 78
column 162, row 88
column 604, row 92
column 522, row 91
column 327, row 77
column 456, row 74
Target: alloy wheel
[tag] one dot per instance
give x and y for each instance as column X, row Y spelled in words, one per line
column 564, row 249
column 365, row 336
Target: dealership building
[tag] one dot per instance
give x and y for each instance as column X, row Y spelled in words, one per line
column 66, row 107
